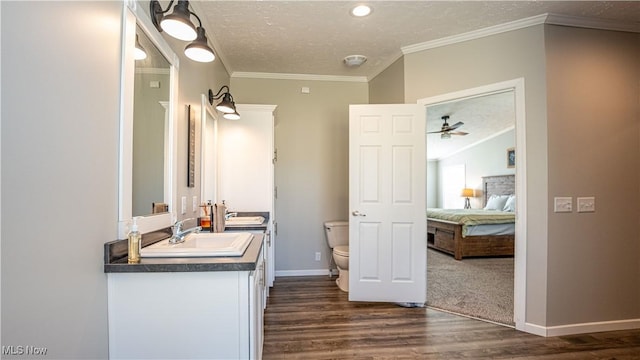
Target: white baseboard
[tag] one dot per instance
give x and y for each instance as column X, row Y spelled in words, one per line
column 573, row 329
column 316, row 272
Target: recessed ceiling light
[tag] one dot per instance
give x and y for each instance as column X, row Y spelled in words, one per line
column 361, row 10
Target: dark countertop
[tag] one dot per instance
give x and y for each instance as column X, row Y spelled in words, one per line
column 115, row 254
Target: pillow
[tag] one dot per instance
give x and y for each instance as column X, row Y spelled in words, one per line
column 510, row 205
column 496, row 202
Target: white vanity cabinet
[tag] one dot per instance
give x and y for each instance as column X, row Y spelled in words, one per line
column 188, row 314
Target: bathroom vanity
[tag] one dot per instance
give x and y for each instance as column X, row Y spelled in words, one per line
column 186, row 308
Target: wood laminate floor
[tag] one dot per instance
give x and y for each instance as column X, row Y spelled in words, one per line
column 310, row 318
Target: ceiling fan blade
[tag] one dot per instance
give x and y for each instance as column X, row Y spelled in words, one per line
column 456, row 125
column 458, row 133
column 435, row 132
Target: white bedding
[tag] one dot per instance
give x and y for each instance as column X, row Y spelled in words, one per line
column 490, row 229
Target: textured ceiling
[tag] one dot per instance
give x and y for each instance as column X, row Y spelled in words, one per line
column 483, row 118
column 312, row 37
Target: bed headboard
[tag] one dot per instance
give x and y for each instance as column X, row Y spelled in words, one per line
column 497, row 185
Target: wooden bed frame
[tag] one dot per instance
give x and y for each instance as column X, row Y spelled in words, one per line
column 446, row 236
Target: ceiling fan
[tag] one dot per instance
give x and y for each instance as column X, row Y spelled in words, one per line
column 446, row 131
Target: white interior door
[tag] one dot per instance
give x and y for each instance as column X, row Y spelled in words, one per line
column 387, row 227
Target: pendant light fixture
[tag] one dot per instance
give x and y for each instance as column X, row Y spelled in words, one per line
column 178, row 25
column 226, row 105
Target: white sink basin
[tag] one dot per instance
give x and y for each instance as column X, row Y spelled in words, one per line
column 245, row 220
column 202, row 244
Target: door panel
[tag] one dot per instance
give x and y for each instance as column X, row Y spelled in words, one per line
column 387, row 230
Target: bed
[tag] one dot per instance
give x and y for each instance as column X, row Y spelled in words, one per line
column 469, row 235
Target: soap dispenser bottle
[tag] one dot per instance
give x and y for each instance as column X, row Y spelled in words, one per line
column 135, row 242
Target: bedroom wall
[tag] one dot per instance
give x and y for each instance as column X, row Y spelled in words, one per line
column 496, row 58
column 594, row 148
column 484, row 159
column 432, row 183
column 388, row 86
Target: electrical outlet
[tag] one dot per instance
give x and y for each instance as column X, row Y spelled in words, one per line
column 184, row 205
column 318, row 256
column 562, row 204
column 586, row 204
column 194, row 204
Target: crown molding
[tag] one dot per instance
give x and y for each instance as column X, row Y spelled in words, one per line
column 476, row 34
column 549, row 18
column 281, row 76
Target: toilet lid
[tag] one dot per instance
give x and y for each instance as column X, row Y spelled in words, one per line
column 342, row 250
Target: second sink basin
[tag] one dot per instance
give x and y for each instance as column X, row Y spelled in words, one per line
column 245, row 220
column 201, row 245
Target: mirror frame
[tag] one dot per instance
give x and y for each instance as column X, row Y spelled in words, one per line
column 132, row 15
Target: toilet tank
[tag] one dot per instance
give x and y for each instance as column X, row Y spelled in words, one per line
column 337, row 232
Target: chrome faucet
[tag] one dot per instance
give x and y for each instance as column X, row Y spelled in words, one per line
column 179, row 234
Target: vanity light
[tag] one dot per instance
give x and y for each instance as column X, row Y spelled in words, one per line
column 139, row 53
column 199, row 50
column 178, row 25
column 226, row 105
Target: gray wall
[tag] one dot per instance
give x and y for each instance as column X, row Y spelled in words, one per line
column 594, row 150
column 488, row 60
column 60, row 111
column 312, row 175
column 388, row 86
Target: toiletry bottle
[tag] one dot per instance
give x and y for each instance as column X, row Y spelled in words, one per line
column 135, row 240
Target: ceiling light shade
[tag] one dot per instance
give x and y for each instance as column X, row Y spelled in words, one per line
column 177, row 24
column 138, row 52
column 361, row 10
column 445, row 135
column 355, row 60
column 199, row 49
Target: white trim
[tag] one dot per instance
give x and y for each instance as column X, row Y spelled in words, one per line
column 476, row 34
column 153, row 71
column 520, row 263
column 282, row 273
column 583, row 328
column 475, row 143
column 547, row 18
column 279, row 76
column 385, row 66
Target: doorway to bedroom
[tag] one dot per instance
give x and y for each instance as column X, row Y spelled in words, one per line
column 471, row 269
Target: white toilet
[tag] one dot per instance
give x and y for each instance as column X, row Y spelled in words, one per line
column 338, row 239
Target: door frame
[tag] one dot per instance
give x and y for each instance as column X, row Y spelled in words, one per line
column 520, row 258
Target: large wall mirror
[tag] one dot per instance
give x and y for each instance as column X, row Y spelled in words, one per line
column 147, row 131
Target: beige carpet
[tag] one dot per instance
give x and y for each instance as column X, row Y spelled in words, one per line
column 477, row 287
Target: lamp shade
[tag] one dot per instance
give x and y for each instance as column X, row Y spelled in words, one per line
column 199, row 50
column 466, row 192
column 178, row 24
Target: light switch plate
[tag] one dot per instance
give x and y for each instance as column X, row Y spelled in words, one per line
column 586, row 204
column 184, row 205
column 562, row 204
column 194, row 203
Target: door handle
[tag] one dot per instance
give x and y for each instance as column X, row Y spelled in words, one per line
column 357, row 213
